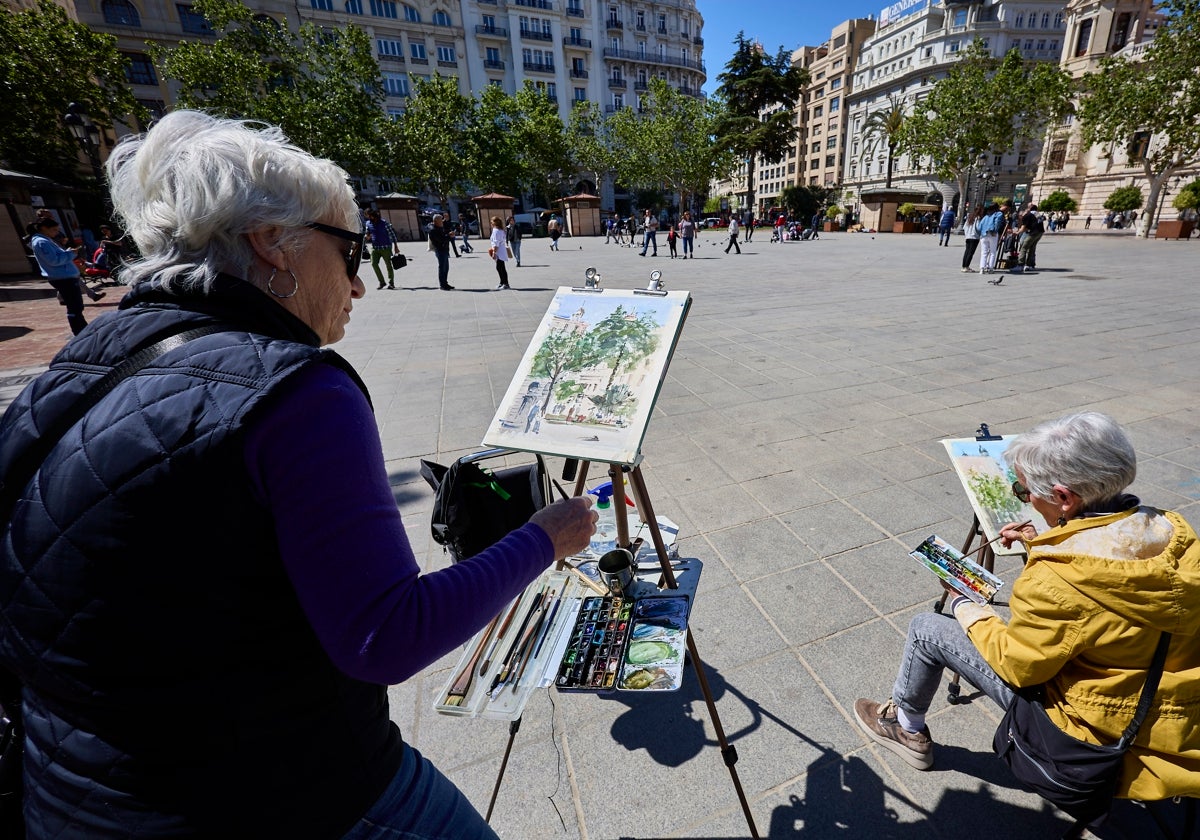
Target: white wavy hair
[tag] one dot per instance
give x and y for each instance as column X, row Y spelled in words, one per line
column 1087, row 452
column 192, row 187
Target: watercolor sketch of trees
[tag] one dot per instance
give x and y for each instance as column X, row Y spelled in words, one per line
column 590, row 376
column 988, row 481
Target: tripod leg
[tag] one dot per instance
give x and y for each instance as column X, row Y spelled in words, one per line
column 513, row 729
column 728, row 752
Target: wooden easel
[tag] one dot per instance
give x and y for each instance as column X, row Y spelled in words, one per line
column 987, row 559
column 641, row 498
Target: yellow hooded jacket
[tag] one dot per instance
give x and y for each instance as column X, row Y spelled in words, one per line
column 1087, row 612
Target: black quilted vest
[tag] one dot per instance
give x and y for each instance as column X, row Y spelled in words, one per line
column 173, row 687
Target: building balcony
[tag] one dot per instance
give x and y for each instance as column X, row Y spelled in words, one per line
column 535, row 35
column 662, row 30
column 668, row 60
column 613, row 23
column 535, row 4
column 698, row 41
column 579, row 74
column 568, row 41
column 487, row 2
column 493, row 65
column 444, row 63
column 391, row 59
column 612, row 109
column 492, row 31
column 575, row 11
column 416, row 60
column 616, row 84
column 538, row 67
column 640, row 86
column 640, row 27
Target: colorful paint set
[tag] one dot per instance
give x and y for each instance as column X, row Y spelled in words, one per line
column 618, row 644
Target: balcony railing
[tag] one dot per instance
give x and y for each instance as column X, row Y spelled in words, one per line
column 394, row 59
column 536, row 35
column 535, row 4
column 579, row 74
column 493, row 31
column 538, row 67
column 568, row 41
column 613, row 23
column 492, row 64
column 656, row 59
column 640, row 86
column 574, row 11
column 698, row 41
column 616, row 84
column 442, row 62
column 640, row 27
column 418, row 60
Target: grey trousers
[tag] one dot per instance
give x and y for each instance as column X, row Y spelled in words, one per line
column 936, row 642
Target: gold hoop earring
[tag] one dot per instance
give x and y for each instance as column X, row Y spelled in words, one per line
column 271, row 289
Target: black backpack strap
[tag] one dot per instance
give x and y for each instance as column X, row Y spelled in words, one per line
column 1148, row 690
column 28, row 462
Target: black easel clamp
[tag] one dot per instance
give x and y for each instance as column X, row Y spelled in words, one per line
column 730, row 755
column 984, row 433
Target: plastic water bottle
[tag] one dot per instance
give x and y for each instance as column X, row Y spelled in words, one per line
column 605, row 538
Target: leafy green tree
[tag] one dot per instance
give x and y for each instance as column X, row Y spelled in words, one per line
column 540, row 140
column 432, row 138
column 48, row 61
column 995, row 495
column 322, row 87
column 561, row 352
column 713, row 203
column 587, row 138
column 1124, row 199
column 621, row 341
column 1157, row 96
column 1058, row 200
column 883, row 127
column 984, row 103
column 492, row 158
column 751, row 84
column 1188, row 198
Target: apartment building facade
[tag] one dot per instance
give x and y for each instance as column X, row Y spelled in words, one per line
column 605, row 51
column 1097, row 29
column 914, row 45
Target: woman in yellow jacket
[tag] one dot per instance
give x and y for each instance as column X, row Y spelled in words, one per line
column 1100, row 586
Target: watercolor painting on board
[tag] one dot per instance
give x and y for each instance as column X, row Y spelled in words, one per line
column 988, row 481
column 589, row 379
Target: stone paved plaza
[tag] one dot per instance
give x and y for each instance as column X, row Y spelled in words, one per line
column 797, row 444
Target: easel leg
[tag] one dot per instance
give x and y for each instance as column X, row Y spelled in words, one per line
column 988, row 561
column 728, row 752
column 513, row 729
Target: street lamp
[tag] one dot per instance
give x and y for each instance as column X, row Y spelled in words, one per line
column 987, row 180
column 86, row 134
column 1163, row 197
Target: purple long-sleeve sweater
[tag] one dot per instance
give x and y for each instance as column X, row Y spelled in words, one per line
column 315, row 460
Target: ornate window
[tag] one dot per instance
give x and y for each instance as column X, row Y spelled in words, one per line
column 120, row 13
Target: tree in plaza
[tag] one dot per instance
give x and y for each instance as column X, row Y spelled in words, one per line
column 804, row 200
column 984, row 103
column 431, row 137
column 322, row 87
column 1124, row 199
column 1058, row 200
column 751, row 83
column 587, row 138
column 882, row 127
column 1153, row 104
column 669, row 144
column 492, row 157
column 1188, row 198
column 48, row 61
column 540, row 140
column 561, row 352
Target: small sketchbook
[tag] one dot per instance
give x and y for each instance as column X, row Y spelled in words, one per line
column 949, row 564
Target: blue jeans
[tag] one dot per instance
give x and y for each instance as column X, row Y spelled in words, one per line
column 687, row 246
column 516, row 246
column 68, row 287
column 651, row 240
column 936, row 642
column 421, row 804
column 443, row 258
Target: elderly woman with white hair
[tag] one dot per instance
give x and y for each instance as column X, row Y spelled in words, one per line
column 205, row 583
column 1098, row 590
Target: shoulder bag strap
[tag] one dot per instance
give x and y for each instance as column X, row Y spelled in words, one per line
column 1148, row 690
column 27, row 463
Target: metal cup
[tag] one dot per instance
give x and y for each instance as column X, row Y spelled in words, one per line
column 617, row 570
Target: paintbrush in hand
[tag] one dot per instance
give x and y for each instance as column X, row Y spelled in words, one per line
column 996, row 539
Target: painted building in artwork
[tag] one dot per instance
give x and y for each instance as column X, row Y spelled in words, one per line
column 913, row 46
column 604, row 51
column 1097, row 29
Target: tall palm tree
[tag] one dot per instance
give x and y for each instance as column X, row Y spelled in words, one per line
column 883, row 126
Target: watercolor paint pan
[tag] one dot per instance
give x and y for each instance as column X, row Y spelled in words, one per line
column 596, row 646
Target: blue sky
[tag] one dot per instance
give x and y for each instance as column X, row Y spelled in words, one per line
column 775, row 24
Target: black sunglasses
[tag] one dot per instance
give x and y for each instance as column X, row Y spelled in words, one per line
column 1021, row 492
column 354, row 258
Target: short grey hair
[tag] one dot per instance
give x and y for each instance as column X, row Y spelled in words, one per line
column 1087, row 452
column 191, row 188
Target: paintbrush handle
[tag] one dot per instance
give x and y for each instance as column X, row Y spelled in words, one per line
column 487, row 660
column 997, row 538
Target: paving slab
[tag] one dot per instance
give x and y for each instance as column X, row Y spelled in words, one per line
column 796, row 442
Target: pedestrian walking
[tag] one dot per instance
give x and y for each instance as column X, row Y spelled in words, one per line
column 733, row 232
column 382, row 237
column 990, row 227
column 498, row 251
column 650, row 235
column 780, row 227
column 440, row 238
column 513, row 231
column 554, row 228
column 749, row 227
column 465, row 228
column 687, row 232
column 945, row 225
column 1028, row 235
column 1087, row 223
column 58, row 266
column 816, row 223
column 971, row 234
column 672, row 236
